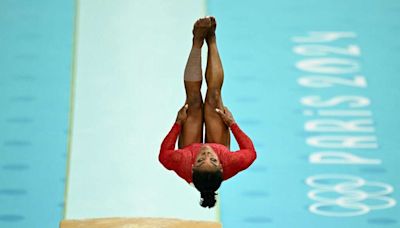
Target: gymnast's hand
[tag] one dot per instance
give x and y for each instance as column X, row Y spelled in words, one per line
column 226, row 116
column 182, row 115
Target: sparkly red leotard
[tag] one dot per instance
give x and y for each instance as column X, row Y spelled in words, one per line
column 181, row 160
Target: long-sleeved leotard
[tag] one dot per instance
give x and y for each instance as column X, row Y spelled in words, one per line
column 182, row 160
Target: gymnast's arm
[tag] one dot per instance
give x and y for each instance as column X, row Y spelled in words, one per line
column 242, row 139
column 247, row 153
column 168, row 156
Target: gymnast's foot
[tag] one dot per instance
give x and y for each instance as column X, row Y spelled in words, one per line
column 210, row 36
column 200, row 30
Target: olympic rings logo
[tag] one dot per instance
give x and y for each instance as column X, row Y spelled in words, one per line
column 344, row 195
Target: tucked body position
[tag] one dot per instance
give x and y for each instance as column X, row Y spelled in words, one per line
column 205, row 163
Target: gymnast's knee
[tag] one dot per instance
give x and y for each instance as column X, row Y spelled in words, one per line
column 213, row 98
column 194, row 101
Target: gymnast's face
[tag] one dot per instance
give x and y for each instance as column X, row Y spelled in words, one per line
column 207, row 160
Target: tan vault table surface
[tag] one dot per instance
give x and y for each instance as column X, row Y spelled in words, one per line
column 137, row 222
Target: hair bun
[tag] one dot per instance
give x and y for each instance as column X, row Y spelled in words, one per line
column 207, row 183
column 208, row 199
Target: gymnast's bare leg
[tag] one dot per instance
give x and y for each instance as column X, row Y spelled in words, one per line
column 216, row 129
column 192, row 129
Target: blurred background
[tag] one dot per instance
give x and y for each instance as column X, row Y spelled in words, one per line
column 89, row 89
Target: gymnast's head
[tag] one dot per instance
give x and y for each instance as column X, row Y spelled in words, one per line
column 207, row 175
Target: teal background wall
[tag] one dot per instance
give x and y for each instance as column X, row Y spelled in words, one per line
column 35, row 74
column 257, row 39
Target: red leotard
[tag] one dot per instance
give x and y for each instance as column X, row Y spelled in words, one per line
column 181, row 160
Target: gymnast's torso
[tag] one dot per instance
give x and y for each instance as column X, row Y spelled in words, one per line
column 182, row 160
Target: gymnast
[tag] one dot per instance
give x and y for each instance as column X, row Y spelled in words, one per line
column 207, row 164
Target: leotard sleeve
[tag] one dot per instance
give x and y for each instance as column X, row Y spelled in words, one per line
column 176, row 160
column 241, row 159
column 167, row 156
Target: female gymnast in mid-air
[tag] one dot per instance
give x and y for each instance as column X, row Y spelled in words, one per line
column 207, row 164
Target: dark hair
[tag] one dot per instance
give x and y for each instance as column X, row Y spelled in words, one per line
column 207, row 183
